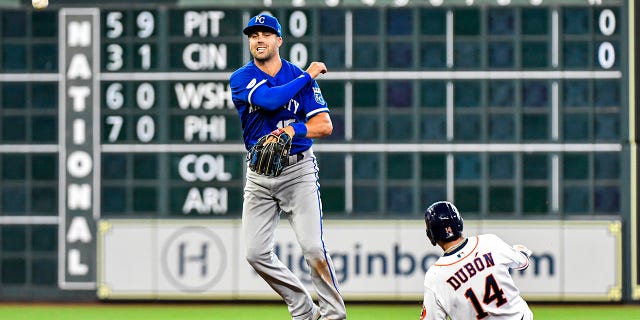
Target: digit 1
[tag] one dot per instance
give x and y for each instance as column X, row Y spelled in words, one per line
column 145, row 55
column 480, row 313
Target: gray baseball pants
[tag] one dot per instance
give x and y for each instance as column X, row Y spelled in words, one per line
column 295, row 194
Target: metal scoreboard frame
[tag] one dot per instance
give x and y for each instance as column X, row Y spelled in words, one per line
column 86, row 122
column 634, row 225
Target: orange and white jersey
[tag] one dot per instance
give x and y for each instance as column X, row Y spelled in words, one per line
column 473, row 282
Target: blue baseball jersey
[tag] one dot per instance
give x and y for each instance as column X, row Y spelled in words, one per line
column 266, row 103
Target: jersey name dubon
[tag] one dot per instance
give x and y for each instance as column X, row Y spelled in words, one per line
column 469, row 270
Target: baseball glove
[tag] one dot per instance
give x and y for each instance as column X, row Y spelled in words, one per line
column 270, row 154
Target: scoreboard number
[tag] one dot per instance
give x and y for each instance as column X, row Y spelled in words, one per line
column 145, row 96
column 145, row 127
column 114, row 56
column 146, row 24
column 606, row 51
column 115, row 29
column 114, row 24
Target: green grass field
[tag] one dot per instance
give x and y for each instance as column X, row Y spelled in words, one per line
column 217, row 311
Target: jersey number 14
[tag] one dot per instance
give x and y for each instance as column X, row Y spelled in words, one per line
column 491, row 292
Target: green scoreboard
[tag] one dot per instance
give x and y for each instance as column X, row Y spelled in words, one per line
column 512, row 109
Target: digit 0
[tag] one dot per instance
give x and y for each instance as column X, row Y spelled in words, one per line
column 606, row 51
column 607, row 22
column 145, row 96
column 145, row 128
column 298, row 24
column 606, row 55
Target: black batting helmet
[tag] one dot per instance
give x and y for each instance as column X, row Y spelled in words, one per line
column 443, row 222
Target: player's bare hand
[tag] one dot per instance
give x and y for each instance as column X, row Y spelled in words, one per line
column 273, row 137
column 316, row 68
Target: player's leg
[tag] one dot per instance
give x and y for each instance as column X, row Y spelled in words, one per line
column 301, row 201
column 260, row 217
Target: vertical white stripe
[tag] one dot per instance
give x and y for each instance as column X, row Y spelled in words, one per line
column 62, row 153
column 555, row 37
column 450, row 178
column 555, row 111
column 555, row 183
column 633, row 151
column 246, row 54
column 348, row 40
column 348, row 111
column 97, row 186
column 449, row 38
column 449, row 111
column 348, row 183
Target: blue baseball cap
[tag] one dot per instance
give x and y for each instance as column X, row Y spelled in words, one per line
column 263, row 21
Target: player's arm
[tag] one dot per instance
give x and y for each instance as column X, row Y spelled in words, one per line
column 515, row 257
column 272, row 98
column 318, row 126
column 314, row 107
column 524, row 253
column 246, row 88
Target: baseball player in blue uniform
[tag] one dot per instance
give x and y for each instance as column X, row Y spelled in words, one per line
column 273, row 95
